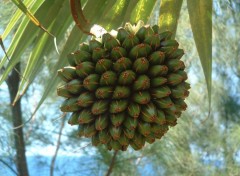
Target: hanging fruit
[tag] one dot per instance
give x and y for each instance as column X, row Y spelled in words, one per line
column 125, row 89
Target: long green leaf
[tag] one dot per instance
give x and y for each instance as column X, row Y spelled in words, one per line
column 121, row 11
column 25, row 10
column 44, row 42
column 200, row 13
column 24, row 23
column 131, row 5
column 142, row 11
column 169, row 15
column 112, row 13
column 15, row 18
column 23, row 37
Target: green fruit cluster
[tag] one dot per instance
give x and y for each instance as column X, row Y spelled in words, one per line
column 125, row 89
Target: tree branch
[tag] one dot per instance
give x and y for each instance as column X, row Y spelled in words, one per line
column 112, row 163
column 57, row 147
column 6, row 164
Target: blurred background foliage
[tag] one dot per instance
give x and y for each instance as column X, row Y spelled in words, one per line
column 198, row 145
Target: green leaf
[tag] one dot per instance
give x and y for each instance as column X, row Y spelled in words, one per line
column 169, row 14
column 142, row 11
column 44, row 42
column 129, row 10
column 120, row 10
column 113, row 12
column 24, row 34
column 25, row 10
column 23, row 37
column 15, row 18
column 200, row 13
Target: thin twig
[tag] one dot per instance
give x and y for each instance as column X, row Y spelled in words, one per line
column 112, row 163
column 58, row 118
column 6, row 164
column 57, row 147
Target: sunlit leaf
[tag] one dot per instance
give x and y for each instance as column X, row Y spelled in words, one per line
column 25, row 33
column 44, row 42
column 119, row 11
column 169, row 15
column 15, row 18
column 113, row 13
column 25, row 10
column 129, row 10
column 200, row 13
column 142, row 11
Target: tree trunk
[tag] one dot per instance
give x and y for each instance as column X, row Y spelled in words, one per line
column 13, row 84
